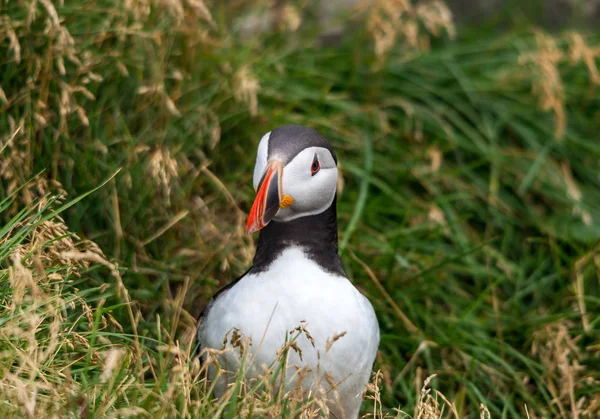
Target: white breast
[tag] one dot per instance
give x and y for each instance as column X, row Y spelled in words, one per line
column 292, row 290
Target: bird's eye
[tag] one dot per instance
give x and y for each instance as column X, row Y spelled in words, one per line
column 315, row 166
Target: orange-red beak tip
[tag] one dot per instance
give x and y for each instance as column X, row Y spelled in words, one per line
column 251, row 227
column 253, row 224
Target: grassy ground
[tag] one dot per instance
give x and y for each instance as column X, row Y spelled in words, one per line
column 469, row 211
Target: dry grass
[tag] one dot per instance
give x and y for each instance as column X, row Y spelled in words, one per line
column 548, row 85
column 51, row 338
column 40, row 337
column 400, row 22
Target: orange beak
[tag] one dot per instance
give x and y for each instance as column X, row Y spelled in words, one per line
column 268, row 198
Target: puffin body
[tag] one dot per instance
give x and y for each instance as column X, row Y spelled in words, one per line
column 297, row 278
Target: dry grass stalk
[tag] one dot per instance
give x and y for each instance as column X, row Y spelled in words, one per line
column 332, row 340
column 436, row 215
column 435, row 163
column 164, row 169
column 290, row 17
column 178, row 9
column 547, row 84
column 556, row 346
column 14, row 44
column 246, row 87
column 210, row 124
column 157, row 92
column 13, row 165
column 574, row 193
column 373, row 392
column 428, row 406
column 579, row 275
column 580, row 51
column 391, row 20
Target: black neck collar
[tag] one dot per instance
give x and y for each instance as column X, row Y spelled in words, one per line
column 316, row 234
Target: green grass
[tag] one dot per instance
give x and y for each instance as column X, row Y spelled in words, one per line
column 466, row 216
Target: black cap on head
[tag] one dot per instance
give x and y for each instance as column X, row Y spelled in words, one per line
column 287, row 141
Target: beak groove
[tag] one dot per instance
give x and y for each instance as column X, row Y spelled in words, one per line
column 266, row 203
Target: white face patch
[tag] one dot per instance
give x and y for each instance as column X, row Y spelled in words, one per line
column 312, row 194
column 261, row 159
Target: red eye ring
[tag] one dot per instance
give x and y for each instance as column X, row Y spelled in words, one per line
column 315, row 166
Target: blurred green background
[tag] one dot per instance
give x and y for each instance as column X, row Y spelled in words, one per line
column 469, row 212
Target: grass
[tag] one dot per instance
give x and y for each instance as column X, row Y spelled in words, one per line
column 468, row 209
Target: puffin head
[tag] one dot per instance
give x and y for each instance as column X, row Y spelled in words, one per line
column 295, row 176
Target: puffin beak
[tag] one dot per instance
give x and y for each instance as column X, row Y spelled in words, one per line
column 268, row 198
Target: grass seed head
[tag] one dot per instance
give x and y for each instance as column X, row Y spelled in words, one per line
column 246, row 87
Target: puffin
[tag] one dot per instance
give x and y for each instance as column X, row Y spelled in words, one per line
column 296, row 281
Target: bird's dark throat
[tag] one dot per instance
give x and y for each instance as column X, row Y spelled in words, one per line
column 315, row 234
